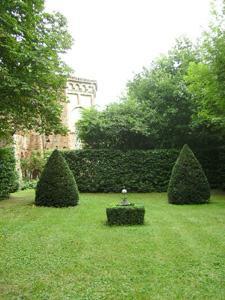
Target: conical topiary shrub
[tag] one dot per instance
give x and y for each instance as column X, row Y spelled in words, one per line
column 57, row 186
column 188, row 183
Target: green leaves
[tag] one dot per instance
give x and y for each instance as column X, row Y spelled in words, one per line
column 164, row 98
column 157, row 113
column 178, row 100
column 206, row 78
column 188, row 183
column 8, row 174
column 107, row 170
column 125, row 215
column 57, row 186
column 119, row 126
column 32, row 73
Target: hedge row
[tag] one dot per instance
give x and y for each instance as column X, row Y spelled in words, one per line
column 213, row 163
column 140, row 171
column 8, row 174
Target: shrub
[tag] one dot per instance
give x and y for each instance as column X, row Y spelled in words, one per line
column 125, row 215
column 33, row 165
column 140, row 171
column 29, row 184
column 188, row 183
column 8, row 174
column 110, row 170
column 57, row 186
column 213, row 164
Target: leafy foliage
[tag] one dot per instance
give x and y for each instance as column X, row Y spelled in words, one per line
column 188, row 183
column 33, row 165
column 29, row 184
column 125, row 215
column 57, row 186
column 8, row 175
column 140, row 171
column 206, row 78
column 158, row 112
column 110, row 170
column 32, row 73
column 120, row 126
column 163, row 95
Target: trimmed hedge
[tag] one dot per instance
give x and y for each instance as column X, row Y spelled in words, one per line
column 8, row 174
column 188, row 183
column 140, row 171
column 110, row 170
column 213, row 164
column 57, row 186
column 125, row 215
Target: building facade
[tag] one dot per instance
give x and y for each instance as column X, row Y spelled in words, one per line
column 81, row 93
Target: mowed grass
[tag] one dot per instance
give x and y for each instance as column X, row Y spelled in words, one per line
column 69, row 253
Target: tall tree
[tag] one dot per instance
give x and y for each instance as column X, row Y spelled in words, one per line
column 163, row 94
column 206, row 78
column 158, row 112
column 32, row 73
column 119, row 126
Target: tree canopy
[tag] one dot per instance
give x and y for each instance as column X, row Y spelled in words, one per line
column 119, row 126
column 32, row 72
column 159, row 111
column 206, row 78
column 162, row 93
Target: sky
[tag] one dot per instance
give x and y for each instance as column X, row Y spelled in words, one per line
column 114, row 39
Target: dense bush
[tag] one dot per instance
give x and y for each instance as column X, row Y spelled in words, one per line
column 8, row 174
column 213, row 163
column 140, row 171
column 110, row 170
column 29, row 184
column 57, row 186
column 125, row 215
column 188, row 183
column 33, row 165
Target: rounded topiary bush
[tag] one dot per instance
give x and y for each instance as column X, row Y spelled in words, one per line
column 188, row 183
column 57, row 186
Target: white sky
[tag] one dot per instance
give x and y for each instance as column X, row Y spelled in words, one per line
column 114, row 39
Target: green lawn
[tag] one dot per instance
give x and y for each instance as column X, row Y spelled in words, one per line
column 69, row 253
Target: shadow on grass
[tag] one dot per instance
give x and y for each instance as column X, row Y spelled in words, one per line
column 106, row 224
